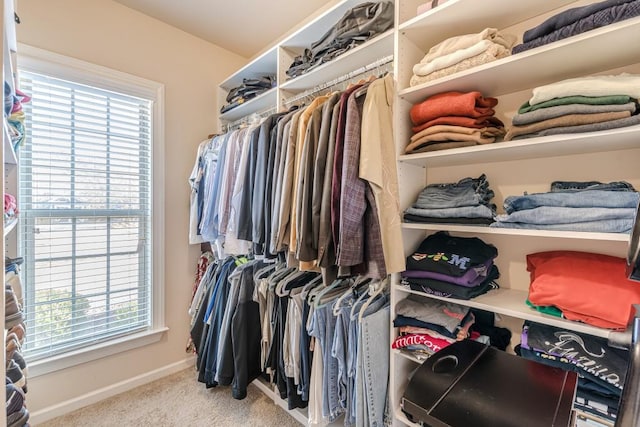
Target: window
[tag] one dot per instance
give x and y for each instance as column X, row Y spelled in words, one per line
column 86, row 199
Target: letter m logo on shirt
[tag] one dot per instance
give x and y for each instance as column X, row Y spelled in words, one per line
column 460, row 262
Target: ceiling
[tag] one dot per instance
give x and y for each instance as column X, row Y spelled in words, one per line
column 245, row 27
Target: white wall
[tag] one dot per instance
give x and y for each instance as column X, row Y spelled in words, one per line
column 106, row 33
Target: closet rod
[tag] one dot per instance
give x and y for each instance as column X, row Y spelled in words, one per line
column 350, row 75
column 253, row 118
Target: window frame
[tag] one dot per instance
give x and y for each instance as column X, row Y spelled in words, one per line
column 59, row 66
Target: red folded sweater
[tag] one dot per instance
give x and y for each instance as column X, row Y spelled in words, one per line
column 469, row 104
column 587, row 287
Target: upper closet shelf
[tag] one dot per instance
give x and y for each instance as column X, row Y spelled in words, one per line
column 546, row 146
column 264, row 65
column 511, row 302
column 365, row 54
column 260, row 103
column 595, row 51
column 315, row 29
column 456, row 17
column 478, row 229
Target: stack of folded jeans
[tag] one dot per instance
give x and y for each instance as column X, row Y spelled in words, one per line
column 584, row 104
column 578, row 20
column 453, row 120
column 359, row 24
column 601, row 368
column 467, row 201
column 249, row 89
column 460, row 53
column 573, row 206
column 453, row 267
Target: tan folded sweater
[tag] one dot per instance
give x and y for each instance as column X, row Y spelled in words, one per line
column 475, row 137
column 485, row 132
column 568, row 120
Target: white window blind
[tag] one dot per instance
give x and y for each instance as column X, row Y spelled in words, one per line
column 85, row 215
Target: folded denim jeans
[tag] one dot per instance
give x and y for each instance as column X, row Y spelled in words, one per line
column 466, row 192
column 581, row 199
column 478, row 211
column 564, row 215
column 603, row 226
column 567, row 186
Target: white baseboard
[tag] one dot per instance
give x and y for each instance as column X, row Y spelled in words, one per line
column 70, row 405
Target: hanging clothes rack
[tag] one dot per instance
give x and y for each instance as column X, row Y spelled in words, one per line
column 374, row 66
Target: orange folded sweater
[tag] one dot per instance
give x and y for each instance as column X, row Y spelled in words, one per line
column 469, row 104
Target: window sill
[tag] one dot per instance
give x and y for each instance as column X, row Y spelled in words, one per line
column 104, row 349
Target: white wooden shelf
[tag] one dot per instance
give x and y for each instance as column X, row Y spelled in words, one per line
column 560, row 60
column 457, row 17
column 365, row 54
column 261, row 102
column 400, row 416
column 264, row 65
column 406, row 355
column 9, row 153
column 9, row 226
column 511, row 302
column 547, row 146
column 479, row 229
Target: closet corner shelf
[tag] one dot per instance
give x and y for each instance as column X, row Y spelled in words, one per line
column 265, row 64
column 479, row 229
column 9, row 226
column 511, row 302
column 368, row 52
column 546, row 146
column 261, row 102
column 522, row 71
column 447, row 19
column 407, row 356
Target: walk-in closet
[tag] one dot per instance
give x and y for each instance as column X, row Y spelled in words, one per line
column 341, row 213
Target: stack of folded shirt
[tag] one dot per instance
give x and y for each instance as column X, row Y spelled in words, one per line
column 452, row 120
column 594, row 208
column 449, row 266
column 460, row 53
column 578, row 20
column 583, row 104
column 585, row 287
column 427, row 325
column 601, row 368
column 249, row 89
column 467, row 201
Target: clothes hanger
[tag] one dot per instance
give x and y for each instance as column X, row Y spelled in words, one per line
column 358, row 283
column 325, row 291
column 382, row 285
column 357, row 302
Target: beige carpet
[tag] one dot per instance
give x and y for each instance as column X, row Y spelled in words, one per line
column 179, row 400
